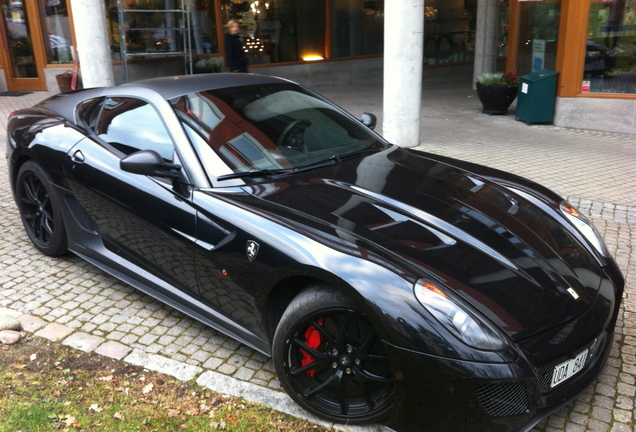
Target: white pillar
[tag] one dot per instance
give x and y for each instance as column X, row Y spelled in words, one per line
column 486, row 37
column 96, row 65
column 403, row 56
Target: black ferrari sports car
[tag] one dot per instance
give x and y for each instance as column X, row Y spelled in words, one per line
column 389, row 285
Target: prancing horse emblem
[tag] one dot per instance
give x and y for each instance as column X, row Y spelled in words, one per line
column 251, row 250
column 573, row 293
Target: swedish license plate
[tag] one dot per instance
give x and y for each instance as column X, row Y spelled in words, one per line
column 568, row 369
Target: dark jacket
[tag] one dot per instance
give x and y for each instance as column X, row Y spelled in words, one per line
column 234, row 55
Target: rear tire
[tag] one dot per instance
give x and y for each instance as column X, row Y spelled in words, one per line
column 330, row 360
column 40, row 210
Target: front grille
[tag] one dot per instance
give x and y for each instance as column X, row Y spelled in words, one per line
column 503, row 400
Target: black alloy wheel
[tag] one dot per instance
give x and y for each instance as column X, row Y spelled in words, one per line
column 331, row 361
column 40, row 210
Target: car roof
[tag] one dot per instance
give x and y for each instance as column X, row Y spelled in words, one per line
column 170, row 87
column 166, row 87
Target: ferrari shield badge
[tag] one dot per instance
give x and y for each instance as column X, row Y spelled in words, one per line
column 251, row 250
column 571, row 291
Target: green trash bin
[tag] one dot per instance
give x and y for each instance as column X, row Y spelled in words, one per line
column 536, row 97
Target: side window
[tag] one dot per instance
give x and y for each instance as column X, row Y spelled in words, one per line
column 131, row 125
column 88, row 111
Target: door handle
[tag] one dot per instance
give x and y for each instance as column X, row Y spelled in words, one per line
column 78, row 156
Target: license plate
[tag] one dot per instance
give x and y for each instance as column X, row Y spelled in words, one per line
column 568, row 369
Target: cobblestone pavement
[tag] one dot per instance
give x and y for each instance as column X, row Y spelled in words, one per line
column 93, row 311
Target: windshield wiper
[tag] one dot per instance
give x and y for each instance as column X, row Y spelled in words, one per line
column 356, row 153
column 331, row 160
column 255, row 173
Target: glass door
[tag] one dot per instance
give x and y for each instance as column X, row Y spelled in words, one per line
column 538, row 28
column 23, row 64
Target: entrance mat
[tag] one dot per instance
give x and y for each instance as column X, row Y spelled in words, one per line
column 15, row 93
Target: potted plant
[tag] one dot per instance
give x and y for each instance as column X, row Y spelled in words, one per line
column 206, row 65
column 496, row 92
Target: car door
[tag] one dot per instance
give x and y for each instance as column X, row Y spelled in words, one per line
column 147, row 222
column 229, row 273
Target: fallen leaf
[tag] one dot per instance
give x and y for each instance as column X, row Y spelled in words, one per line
column 96, row 408
column 147, row 389
column 118, row 416
column 107, row 378
column 33, row 357
column 173, row 412
column 70, row 420
column 217, row 425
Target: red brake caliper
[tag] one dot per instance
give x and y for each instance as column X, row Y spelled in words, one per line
column 312, row 338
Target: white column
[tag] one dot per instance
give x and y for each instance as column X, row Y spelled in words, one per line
column 486, row 37
column 403, row 56
column 91, row 33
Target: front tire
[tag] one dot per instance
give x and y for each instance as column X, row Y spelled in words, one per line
column 40, row 210
column 330, row 360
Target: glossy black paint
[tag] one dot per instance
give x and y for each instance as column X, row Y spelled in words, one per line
column 369, row 226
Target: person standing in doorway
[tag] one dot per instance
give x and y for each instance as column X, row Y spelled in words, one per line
column 235, row 59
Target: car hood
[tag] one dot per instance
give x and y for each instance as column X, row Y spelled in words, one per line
column 509, row 259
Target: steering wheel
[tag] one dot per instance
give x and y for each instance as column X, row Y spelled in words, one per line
column 292, row 135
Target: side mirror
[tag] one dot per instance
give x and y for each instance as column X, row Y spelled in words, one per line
column 369, row 120
column 148, row 162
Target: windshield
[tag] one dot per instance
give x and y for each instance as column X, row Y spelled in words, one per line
column 270, row 127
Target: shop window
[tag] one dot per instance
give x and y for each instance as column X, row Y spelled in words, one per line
column 279, row 30
column 610, row 55
column 160, row 26
column 538, row 35
column 358, row 27
column 449, row 31
column 56, row 31
column 502, row 36
column 19, row 41
column 204, row 28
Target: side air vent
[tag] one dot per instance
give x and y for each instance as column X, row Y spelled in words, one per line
column 503, row 400
column 80, row 215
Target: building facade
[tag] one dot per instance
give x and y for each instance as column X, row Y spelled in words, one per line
column 591, row 43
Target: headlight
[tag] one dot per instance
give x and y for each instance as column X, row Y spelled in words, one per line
column 459, row 321
column 585, row 227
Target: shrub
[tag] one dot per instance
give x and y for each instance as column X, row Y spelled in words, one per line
column 498, row 78
column 209, row 63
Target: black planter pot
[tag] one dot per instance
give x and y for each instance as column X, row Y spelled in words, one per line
column 496, row 99
column 201, row 69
